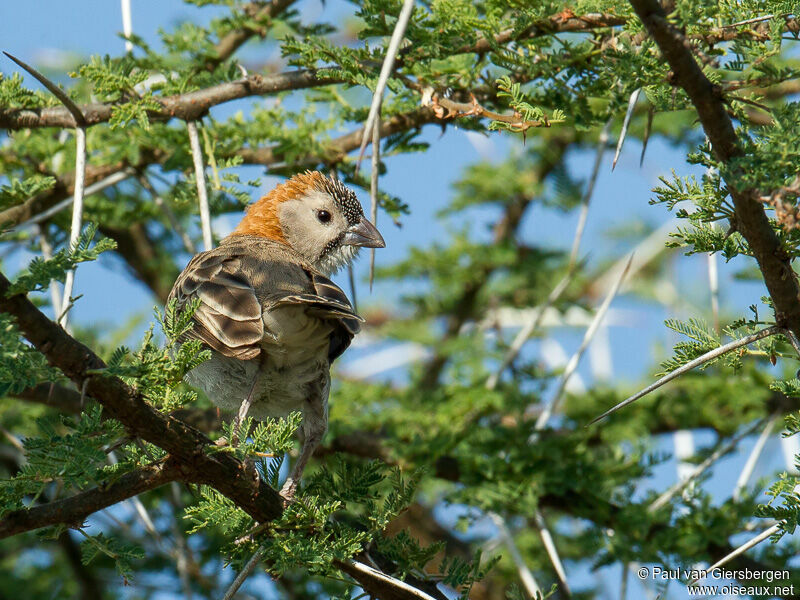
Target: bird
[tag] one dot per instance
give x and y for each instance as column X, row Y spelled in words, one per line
column 268, row 312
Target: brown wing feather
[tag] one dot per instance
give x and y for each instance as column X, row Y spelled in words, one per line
column 228, row 318
column 330, row 302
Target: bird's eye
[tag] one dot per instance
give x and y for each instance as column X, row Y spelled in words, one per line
column 324, row 216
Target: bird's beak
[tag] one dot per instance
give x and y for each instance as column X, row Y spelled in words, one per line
column 364, row 234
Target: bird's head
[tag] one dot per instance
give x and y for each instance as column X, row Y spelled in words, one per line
column 317, row 216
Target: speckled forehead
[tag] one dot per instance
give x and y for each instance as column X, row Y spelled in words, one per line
column 344, row 198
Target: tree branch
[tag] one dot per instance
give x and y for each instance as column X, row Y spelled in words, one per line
column 751, row 219
column 75, row 509
column 193, row 450
column 258, row 11
column 190, row 106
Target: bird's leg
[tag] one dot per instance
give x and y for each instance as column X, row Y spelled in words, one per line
column 315, row 423
column 244, row 408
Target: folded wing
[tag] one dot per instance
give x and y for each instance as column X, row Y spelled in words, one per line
column 229, row 316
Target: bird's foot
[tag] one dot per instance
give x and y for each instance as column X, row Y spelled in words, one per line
column 288, row 491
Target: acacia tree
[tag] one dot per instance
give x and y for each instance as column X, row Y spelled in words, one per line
column 137, row 148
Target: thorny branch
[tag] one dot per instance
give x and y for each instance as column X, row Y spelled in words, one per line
column 751, row 219
column 188, row 449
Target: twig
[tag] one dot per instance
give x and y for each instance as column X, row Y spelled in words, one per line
column 445, row 108
column 753, row 20
column 628, row 114
column 752, row 459
column 127, row 27
column 525, row 575
column 169, row 213
column 711, row 355
column 530, row 327
column 743, row 548
column 552, row 552
column 139, row 508
column 752, row 221
column 80, row 175
column 77, row 113
column 533, row 324
column 793, row 341
column 386, row 69
column 602, row 142
column 713, row 285
column 75, row 509
column 664, row 498
column 200, row 179
column 97, row 186
column 373, row 187
column 244, row 573
column 388, row 580
column 351, row 278
column 77, row 218
column 545, row 415
column 648, row 127
column 623, row 584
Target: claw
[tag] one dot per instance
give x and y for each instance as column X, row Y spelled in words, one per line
column 288, row 491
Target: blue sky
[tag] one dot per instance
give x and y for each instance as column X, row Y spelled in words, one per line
column 41, row 31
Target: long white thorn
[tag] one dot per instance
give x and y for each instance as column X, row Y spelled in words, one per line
column 552, row 552
column 200, row 178
column 711, row 355
column 754, row 541
column 244, row 573
column 752, row 459
column 373, row 188
column 77, row 217
column 544, row 417
column 127, row 27
column 388, row 579
column 527, row 331
column 169, row 213
column 97, row 186
column 525, row 575
column 669, row 494
column 602, row 142
column 386, row 70
column 531, row 326
column 627, row 121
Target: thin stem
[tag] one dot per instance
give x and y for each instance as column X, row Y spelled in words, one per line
column 602, row 142
column 169, row 213
column 386, row 69
column 752, row 459
column 552, row 552
column 527, row 331
column 544, row 417
column 182, row 552
column 711, row 355
column 664, row 498
column 533, row 324
column 97, row 186
column 622, row 134
column 713, row 285
column 373, row 187
column 743, row 548
column 525, row 575
column 200, row 178
column 753, row 20
column 77, row 217
column 244, row 573
column 127, row 27
column 387, row 579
